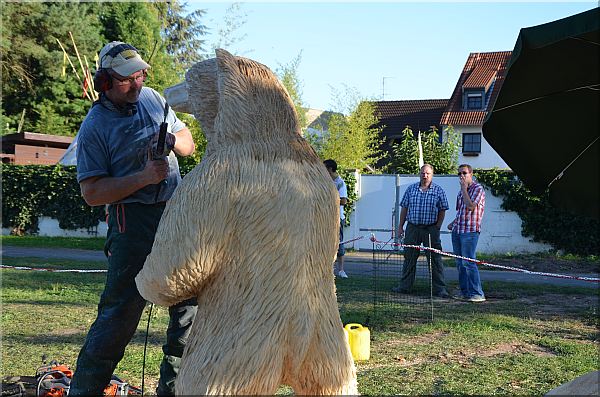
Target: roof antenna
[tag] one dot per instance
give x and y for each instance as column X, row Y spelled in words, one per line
column 383, row 86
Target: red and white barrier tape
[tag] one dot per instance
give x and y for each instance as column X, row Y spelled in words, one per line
column 42, row 269
column 354, row 239
column 374, row 240
column 478, row 262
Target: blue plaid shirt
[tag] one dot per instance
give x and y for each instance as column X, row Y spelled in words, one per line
column 423, row 207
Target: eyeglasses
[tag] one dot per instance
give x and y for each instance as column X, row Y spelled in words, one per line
column 463, row 173
column 130, row 80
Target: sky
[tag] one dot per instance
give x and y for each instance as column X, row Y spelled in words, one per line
column 392, row 50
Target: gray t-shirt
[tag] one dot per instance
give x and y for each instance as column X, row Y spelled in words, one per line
column 114, row 144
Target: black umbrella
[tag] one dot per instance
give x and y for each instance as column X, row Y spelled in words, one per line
column 544, row 123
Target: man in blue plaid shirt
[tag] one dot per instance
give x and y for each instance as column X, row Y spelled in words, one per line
column 424, row 206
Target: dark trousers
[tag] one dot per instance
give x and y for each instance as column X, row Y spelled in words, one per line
column 415, row 235
column 131, row 231
column 341, row 247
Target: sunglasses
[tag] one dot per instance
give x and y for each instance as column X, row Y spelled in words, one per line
column 463, row 173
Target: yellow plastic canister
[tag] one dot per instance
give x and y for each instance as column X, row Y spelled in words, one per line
column 359, row 338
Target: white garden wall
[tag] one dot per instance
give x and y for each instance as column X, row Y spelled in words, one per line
column 501, row 230
column 49, row 227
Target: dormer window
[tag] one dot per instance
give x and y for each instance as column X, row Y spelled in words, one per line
column 477, row 87
column 473, row 99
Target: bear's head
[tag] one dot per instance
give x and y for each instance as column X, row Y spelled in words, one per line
column 235, row 100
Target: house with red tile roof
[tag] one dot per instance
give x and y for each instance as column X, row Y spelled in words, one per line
column 418, row 115
column 473, row 96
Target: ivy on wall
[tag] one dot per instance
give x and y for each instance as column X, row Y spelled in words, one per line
column 350, row 179
column 564, row 230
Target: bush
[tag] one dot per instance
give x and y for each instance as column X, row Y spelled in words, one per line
column 564, row 230
column 32, row 191
column 350, row 179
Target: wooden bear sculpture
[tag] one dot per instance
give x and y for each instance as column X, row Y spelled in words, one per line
column 252, row 232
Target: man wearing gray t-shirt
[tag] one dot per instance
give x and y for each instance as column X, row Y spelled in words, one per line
column 120, row 165
column 340, row 185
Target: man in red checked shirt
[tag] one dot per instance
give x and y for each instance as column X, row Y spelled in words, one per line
column 466, row 227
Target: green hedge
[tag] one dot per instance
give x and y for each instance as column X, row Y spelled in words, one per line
column 564, row 230
column 32, row 191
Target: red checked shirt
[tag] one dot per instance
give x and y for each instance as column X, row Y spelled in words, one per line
column 470, row 221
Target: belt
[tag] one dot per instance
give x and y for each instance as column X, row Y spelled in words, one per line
column 158, row 204
column 421, row 226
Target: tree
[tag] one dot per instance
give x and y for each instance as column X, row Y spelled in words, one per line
column 351, row 140
column 443, row 156
column 229, row 34
column 33, row 61
column 182, row 33
column 288, row 75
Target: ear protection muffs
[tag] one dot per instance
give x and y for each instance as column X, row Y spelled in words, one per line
column 102, row 78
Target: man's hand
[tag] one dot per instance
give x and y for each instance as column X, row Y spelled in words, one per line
column 155, row 171
column 451, row 225
column 400, row 232
column 170, row 140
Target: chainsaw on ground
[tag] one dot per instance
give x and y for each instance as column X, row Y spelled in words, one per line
column 54, row 380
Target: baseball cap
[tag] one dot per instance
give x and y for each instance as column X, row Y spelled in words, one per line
column 125, row 62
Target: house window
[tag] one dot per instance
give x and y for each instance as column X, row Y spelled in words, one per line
column 471, row 144
column 474, row 102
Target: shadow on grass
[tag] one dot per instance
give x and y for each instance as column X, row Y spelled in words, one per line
column 77, row 337
column 372, row 303
column 26, row 282
column 47, row 302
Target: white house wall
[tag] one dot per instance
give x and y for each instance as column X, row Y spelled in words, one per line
column 488, row 158
column 501, row 230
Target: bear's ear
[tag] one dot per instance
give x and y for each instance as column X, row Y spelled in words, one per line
column 203, row 94
column 225, row 60
column 223, row 54
column 226, row 69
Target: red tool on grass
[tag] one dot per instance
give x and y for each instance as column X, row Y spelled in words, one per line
column 54, row 380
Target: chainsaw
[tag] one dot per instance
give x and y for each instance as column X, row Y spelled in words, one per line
column 54, row 380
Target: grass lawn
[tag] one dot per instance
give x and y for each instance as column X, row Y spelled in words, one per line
column 88, row 243
column 525, row 340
